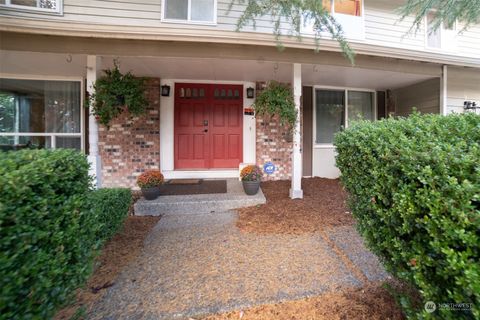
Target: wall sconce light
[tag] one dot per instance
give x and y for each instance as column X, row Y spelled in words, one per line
column 250, row 93
column 470, row 105
column 165, row 91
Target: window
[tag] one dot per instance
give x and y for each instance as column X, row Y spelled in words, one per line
column 200, row 11
column 444, row 37
column 348, row 13
column 334, row 109
column 349, row 7
column 40, row 114
column 52, row 6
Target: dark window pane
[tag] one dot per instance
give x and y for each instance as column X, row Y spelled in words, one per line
column 68, row 143
column 176, row 9
column 330, row 114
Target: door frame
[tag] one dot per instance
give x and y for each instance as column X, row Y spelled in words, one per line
column 209, row 95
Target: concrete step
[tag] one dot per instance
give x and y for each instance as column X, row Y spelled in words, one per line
column 200, row 203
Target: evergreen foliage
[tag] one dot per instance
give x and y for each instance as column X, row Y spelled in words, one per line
column 295, row 13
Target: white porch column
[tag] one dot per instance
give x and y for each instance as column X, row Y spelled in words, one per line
column 296, row 191
column 443, row 91
column 93, row 67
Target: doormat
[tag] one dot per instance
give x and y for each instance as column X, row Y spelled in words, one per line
column 202, row 187
column 184, row 181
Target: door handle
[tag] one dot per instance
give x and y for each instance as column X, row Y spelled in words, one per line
column 205, row 130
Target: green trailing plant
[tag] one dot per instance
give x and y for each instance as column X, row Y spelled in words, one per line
column 277, row 100
column 115, row 93
column 414, row 189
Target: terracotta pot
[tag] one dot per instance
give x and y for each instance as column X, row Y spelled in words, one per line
column 251, row 187
column 151, row 193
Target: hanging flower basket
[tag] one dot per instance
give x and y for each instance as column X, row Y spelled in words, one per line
column 116, row 93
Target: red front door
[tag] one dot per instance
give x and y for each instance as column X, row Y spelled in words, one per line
column 208, row 126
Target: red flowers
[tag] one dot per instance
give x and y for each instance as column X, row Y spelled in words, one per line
column 150, row 179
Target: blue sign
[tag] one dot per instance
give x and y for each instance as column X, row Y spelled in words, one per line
column 269, row 168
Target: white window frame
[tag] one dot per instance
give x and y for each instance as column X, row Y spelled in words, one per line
column 355, row 33
column 59, row 11
column 345, row 119
column 444, row 36
column 53, row 136
column 189, row 15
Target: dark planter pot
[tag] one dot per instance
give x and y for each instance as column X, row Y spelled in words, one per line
column 251, row 187
column 151, row 193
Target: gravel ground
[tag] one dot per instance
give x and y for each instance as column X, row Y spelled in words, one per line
column 195, row 265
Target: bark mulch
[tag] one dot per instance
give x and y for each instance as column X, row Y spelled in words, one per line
column 117, row 253
column 372, row 302
column 323, row 206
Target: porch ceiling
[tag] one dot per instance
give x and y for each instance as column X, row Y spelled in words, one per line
column 379, row 78
column 260, row 70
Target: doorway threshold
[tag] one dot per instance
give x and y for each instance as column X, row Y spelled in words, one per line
column 201, row 174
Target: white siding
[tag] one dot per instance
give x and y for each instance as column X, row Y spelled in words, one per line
column 462, row 84
column 381, row 22
column 423, row 96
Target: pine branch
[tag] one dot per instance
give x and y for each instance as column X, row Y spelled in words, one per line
column 290, row 16
column 446, row 12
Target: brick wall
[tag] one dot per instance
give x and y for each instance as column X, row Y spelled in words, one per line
column 132, row 144
column 273, row 144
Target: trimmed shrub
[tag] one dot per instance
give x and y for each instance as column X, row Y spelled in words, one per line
column 414, row 188
column 51, row 225
column 111, row 207
column 47, row 230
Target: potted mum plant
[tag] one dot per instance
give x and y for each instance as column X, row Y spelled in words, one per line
column 251, row 176
column 150, row 182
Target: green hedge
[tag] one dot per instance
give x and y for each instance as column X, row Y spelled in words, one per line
column 51, row 224
column 111, row 206
column 414, row 188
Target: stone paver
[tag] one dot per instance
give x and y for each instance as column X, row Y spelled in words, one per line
column 200, row 264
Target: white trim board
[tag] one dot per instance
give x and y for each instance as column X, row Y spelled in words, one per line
column 200, row 174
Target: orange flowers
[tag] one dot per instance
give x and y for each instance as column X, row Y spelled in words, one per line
column 150, row 179
column 251, row 173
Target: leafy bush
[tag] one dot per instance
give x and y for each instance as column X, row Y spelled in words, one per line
column 111, row 207
column 414, row 188
column 51, row 224
column 47, row 230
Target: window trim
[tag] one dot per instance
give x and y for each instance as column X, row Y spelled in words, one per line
column 345, row 119
column 15, row 7
column 442, row 31
column 52, row 135
column 359, row 36
column 189, row 13
column 333, row 13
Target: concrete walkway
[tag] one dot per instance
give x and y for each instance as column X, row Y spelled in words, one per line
column 194, row 265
